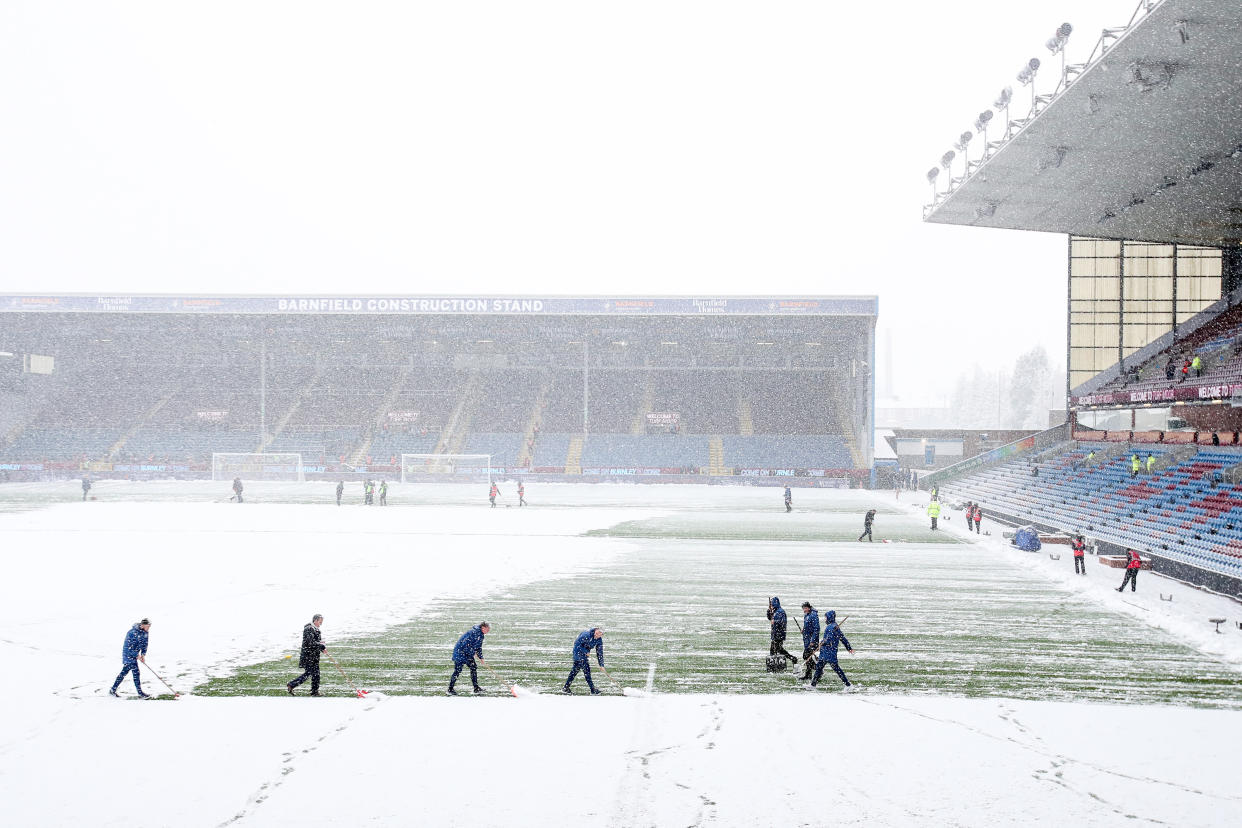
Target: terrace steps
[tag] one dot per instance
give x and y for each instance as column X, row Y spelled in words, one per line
column 745, row 421
column 303, row 393
column 143, row 420
column 573, row 457
column 715, row 456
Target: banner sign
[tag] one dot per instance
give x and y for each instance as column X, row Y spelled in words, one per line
column 451, row 305
column 403, row 416
column 1181, row 392
column 211, row 416
column 663, row 418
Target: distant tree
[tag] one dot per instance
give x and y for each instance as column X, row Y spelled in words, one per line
column 977, row 399
column 1029, row 390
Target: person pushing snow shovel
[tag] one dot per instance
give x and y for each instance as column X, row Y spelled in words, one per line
column 312, row 647
column 833, row 637
column 592, row 639
column 468, row 648
column 133, row 651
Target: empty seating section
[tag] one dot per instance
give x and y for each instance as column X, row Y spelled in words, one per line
column 785, row 451
column 1218, row 344
column 1185, row 512
column 616, row 397
column 503, row 447
column 707, row 406
column 327, row 409
column 652, row 451
column 344, row 397
column 551, row 450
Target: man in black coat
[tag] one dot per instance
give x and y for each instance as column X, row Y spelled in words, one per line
column 868, row 519
column 312, row 646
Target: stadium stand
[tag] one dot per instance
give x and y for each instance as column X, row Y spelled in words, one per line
column 671, row 392
column 1186, row 513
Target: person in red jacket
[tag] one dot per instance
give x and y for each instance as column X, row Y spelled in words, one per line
column 491, row 495
column 1080, row 551
column 1132, row 567
column 977, row 515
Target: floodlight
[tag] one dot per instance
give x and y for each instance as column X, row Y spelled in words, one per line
column 1057, row 42
column 931, row 179
column 1003, row 99
column 981, row 123
column 963, row 140
column 947, row 159
column 1028, row 72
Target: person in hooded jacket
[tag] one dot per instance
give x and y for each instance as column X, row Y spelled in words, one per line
column 133, row 651
column 1133, row 565
column 1079, row 547
column 810, row 637
column 592, row 639
column 868, row 519
column 833, row 637
column 468, row 648
column 977, row 516
column 788, row 499
column 780, row 623
column 308, row 660
column 933, row 511
column 340, row 490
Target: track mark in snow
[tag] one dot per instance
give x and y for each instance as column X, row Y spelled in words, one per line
column 288, row 762
column 1058, row 761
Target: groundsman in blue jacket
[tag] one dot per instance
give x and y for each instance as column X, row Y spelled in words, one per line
column 133, row 651
column 468, row 648
column 779, row 624
column 810, row 637
column 592, row 639
column 828, row 649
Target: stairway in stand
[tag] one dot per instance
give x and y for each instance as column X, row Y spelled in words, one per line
column 143, row 420
column 715, row 457
column 455, row 431
column 573, row 458
column 839, row 404
column 303, row 393
column 745, row 422
column 526, row 454
column 364, row 448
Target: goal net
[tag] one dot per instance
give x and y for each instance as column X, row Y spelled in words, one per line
column 275, row 466
column 455, row 468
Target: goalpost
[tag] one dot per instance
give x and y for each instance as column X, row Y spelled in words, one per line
column 254, row 466
column 463, row 468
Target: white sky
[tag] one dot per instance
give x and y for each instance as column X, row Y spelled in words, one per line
column 528, row 148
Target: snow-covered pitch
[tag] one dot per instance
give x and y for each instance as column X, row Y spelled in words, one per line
column 995, row 686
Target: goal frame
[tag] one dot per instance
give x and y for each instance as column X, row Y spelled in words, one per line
column 257, row 458
column 448, row 460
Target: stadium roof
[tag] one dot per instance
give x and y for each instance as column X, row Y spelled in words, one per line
column 1144, row 144
column 293, row 305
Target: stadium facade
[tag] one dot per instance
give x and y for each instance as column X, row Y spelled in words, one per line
column 765, row 389
column 1136, row 155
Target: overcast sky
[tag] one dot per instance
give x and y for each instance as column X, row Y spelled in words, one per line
column 528, row 148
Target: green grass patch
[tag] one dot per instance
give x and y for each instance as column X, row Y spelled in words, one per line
column 946, row 620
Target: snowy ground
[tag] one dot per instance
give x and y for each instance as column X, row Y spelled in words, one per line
column 229, row 586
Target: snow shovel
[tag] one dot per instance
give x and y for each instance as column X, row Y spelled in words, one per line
column 362, row 694
column 176, row 695
column 625, row 691
column 514, row 690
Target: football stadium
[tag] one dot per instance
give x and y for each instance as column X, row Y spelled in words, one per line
column 426, row 517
